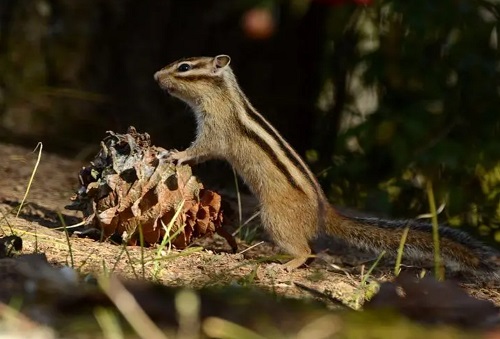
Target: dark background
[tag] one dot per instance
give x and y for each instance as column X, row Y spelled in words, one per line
column 381, row 97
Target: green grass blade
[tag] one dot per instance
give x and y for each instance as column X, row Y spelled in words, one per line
column 397, row 267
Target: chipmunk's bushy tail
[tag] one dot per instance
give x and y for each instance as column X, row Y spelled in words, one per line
column 459, row 251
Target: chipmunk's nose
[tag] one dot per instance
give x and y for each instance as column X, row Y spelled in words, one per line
column 157, row 76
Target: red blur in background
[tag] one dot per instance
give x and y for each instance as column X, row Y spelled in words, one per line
column 258, row 23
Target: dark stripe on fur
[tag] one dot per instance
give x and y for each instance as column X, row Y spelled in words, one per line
column 271, row 154
column 198, row 65
column 449, row 233
column 199, row 77
column 259, row 119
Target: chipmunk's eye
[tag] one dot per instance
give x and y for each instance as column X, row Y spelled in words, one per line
column 184, row 67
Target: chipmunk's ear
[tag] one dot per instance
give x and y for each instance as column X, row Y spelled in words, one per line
column 221, row 61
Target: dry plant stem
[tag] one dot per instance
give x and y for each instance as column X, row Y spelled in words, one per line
column 326, row 326
column 84, row 262
column 185, row 252
column 438, row 268
column 123, row 248
column 249, row 248
column 141, row 242
column 32, row 177
column 70, row 226
column 220, row 328
column 67, row 239
column 429, row 215
column 132, row 262
column 238, row 196
column 11, row 315
column 109, row 323
column 253, row 216
column 22, row 233
column 4, row 217
column 187, row 304
column 130, row 309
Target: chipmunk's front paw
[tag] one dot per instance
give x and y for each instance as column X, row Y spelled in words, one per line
column 178, row 157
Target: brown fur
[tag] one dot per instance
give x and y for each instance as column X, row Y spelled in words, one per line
column 294, row 209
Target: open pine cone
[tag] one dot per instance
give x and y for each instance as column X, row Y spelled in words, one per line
column 130, row 187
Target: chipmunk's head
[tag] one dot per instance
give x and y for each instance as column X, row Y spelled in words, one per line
column 194, row 80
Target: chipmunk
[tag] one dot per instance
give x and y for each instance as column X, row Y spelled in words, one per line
column 294, row 209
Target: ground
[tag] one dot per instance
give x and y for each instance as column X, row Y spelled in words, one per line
column 207, row 263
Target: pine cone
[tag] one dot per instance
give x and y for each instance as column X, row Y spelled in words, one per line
column 130, row 186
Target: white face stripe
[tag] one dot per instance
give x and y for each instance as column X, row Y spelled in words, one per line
column 196, row 64
column 193, row 73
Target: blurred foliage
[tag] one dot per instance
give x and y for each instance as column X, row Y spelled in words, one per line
column 434, row 66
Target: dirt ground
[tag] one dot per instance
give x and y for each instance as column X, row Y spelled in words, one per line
column 55, row 182
column 206, row 263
